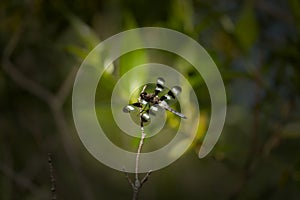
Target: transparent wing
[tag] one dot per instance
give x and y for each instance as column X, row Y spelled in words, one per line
column 131, row 107
column 165, row 106
column 159, row 85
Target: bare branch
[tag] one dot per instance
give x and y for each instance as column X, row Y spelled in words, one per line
column 141, row 141
column 128, row 179
column 53, row 101
column 24, row 82
column 66, row 87
column 20, row 180
column 138, row 153
column 137, row 183
column 145, row 178
column 52, row 178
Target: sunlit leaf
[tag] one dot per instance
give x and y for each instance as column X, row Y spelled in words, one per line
column 132, row 59
column 181, row 17
column 84, row 32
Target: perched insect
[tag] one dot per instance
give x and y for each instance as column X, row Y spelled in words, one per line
column 149, row 103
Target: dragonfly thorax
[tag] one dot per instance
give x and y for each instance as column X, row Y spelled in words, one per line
column 150, row 98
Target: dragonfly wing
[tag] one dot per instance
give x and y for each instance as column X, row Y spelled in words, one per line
column 170, row 97
column 164, row 105
column 145, row 117
column 132, row 107
column 128, row 108
column 159, row 85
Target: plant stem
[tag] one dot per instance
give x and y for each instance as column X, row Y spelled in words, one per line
column 138, row 153
column 137, row 185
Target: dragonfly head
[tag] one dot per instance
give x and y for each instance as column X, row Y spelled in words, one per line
column 143, row 94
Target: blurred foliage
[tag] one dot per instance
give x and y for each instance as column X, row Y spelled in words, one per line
column 256, row 46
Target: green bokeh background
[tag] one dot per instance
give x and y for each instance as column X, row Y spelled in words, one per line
column 255, row 45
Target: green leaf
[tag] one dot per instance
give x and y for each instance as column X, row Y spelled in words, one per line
column 87, row 36
column 132, row 59
column 77, row 51
column 247, row 27
column 182, row 15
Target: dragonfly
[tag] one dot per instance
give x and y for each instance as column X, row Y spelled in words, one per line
column 150, row 103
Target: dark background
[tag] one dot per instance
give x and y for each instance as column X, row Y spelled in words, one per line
column 255, row 45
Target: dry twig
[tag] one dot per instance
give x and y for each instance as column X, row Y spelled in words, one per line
column 137, row 185
column 52, row 178
column 54, row 102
